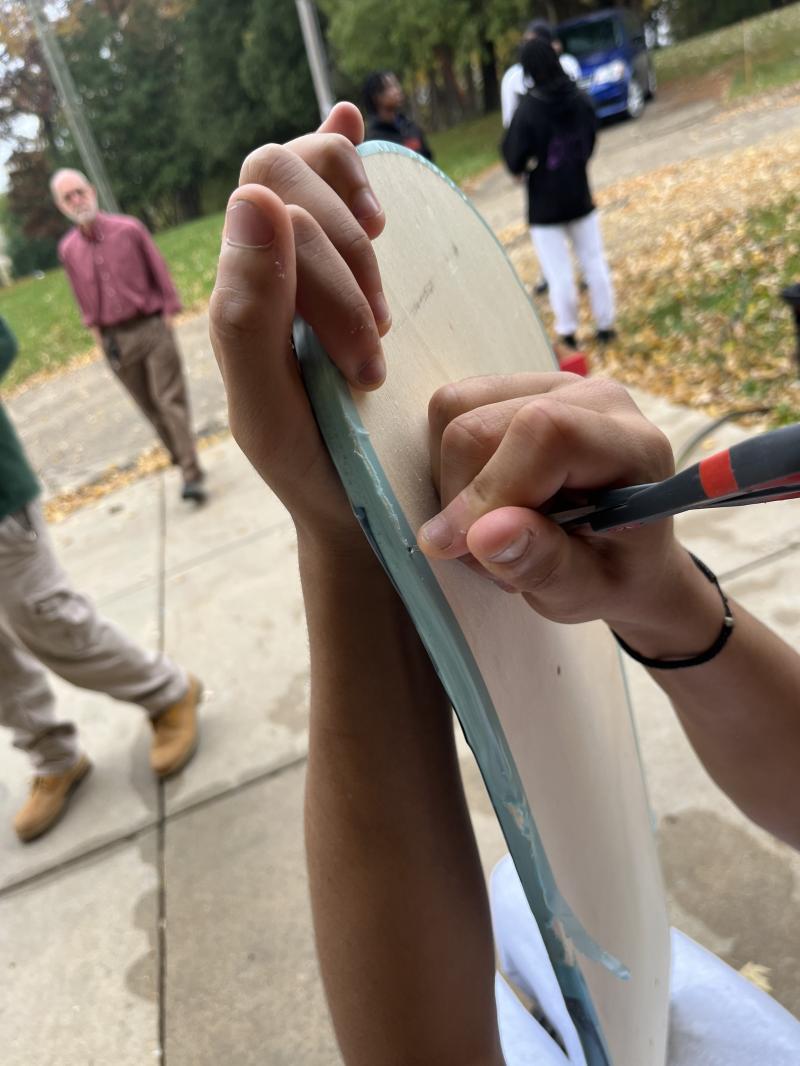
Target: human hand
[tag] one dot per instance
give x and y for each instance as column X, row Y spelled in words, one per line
column 502, row 447
column 297, row 239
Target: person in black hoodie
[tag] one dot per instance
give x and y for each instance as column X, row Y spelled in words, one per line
column 383, row 99
column 552, row 136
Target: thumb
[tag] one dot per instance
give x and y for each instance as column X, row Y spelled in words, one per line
column 559, row 574
column 344, row 118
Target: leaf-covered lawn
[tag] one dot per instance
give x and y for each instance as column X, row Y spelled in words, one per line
column 720, row 333
column 42, row 314
column 700, row 252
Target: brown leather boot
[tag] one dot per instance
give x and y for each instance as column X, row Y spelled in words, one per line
column 48, row 800
column 175, row 733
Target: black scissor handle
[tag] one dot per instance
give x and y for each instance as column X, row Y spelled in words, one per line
column 764, row 468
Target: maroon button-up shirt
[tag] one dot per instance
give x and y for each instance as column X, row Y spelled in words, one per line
column 117, row 272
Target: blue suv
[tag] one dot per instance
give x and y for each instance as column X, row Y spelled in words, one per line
column 616, row 67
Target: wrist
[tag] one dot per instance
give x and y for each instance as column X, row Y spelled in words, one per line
column 341, row 557
column 681, row 615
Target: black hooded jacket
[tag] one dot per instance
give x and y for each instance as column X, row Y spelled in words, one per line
column 401, row 131
column 553, row 128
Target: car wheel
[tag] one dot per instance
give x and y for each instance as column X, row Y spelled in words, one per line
column 635, row 99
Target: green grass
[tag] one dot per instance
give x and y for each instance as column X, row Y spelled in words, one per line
column 191, row 252
column 774, row 41
column 43, row 315
column 467, row 149
column 768, row 73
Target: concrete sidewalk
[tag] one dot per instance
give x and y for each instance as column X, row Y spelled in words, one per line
column 172, row 922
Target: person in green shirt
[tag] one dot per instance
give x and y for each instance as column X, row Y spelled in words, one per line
column 44, row 622
column 18, row 484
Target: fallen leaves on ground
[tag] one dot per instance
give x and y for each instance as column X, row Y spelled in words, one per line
column 151, row 461
column 699, row 252
column 757, row 975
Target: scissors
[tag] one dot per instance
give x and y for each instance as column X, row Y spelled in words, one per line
column 759, row 470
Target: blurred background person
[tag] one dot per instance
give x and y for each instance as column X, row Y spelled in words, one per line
column 126, row 298
column 45, row 622
column 552, row 137
column 515, row 83
column 383, row 102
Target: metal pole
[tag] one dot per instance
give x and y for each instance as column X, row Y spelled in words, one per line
column 317, row 59
column 73, row 111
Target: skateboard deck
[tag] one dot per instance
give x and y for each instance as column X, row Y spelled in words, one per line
column 543, row 706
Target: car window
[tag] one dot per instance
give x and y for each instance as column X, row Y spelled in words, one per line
column 587, row 38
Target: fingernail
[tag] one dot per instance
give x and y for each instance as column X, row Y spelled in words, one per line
column 513, row 551
column 364, row 205
column 248, row 226
column 372, row 372
column 438, row 533
column 380, row 309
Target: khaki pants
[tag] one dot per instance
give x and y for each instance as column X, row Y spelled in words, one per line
column 144, row 356
column 44, row 621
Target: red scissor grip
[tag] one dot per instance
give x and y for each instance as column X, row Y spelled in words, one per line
column 717, row 476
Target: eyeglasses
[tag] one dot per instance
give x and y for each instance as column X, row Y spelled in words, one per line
column 74, row 195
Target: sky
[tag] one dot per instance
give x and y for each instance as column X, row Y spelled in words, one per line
column 27, row 127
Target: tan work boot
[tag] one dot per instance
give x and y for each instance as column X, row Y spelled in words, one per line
column 175, row 733
column 48, row 800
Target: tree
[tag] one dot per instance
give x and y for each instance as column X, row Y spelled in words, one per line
column 32, row 224
column 406, row 36
column 275, row 72
column 220, row 118
column 126, row 64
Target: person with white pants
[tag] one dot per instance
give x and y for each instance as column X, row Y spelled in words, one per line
column 552, row 245
column 552, row 137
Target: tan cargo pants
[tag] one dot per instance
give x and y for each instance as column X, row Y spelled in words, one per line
column 144, row 356
column 43, row 620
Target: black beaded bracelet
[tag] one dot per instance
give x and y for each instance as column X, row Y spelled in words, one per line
column 696, row 660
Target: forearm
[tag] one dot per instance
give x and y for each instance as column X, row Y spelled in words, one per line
column 741, row 710
column 400, row 909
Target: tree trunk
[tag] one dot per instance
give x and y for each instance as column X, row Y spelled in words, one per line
column 454, row 105
column 435, row 103
column 471, row 93
column 491, row 85
column 188, row 200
